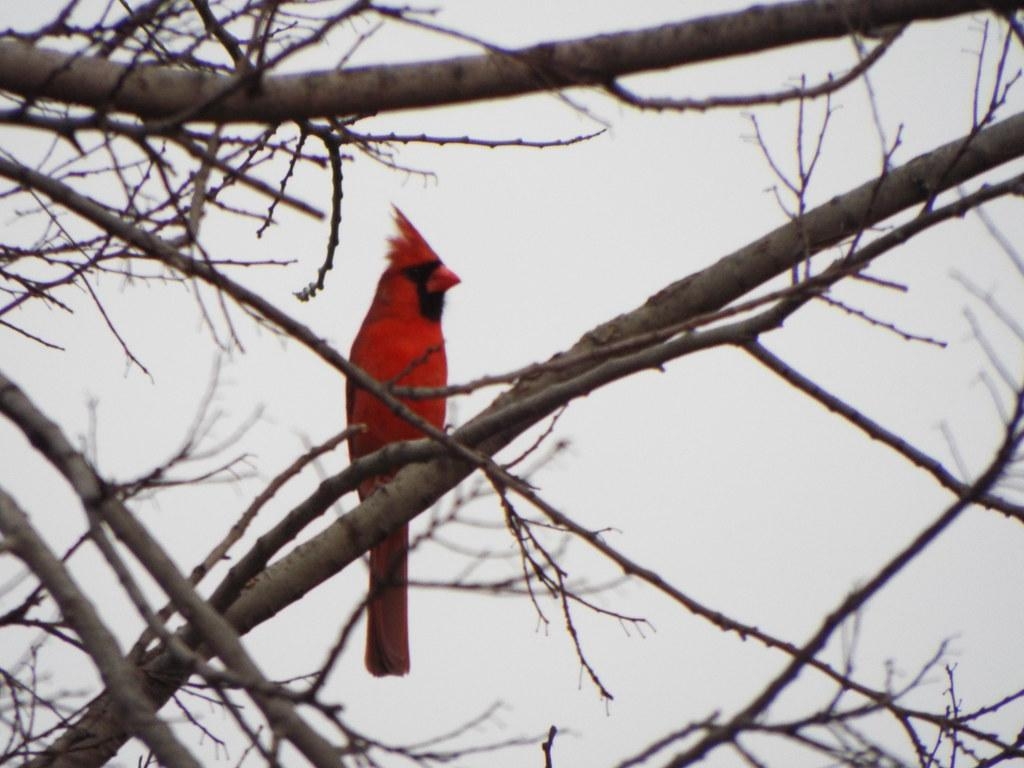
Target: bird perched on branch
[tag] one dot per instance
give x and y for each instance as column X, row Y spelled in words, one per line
column 400, row 342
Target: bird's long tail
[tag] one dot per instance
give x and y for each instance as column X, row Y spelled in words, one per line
column 387, row 612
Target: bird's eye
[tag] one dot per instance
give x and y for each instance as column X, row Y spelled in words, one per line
column 420, row 273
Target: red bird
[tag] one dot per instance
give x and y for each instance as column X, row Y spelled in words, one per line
column 400, row 342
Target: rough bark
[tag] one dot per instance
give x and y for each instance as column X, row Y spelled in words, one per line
column 418, row 486
column 178, row 95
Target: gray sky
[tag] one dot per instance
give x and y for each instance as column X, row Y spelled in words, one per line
column 735, row 488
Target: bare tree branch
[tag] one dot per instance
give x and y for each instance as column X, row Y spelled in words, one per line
column 877, row 432
column 130, row 174
column 213, row 629
column 156, row 92
column 133, row 707
column 1004, row 455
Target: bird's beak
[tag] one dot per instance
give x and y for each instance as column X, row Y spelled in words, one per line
column 441, row 279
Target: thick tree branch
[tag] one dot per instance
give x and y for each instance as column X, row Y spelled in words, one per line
column 416, row 487
column 175, row 95
column 49, row 440
column 132, row 706
column 727, row 280
column 705, row 291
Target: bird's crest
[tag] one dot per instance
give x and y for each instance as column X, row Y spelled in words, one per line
column 408, row 248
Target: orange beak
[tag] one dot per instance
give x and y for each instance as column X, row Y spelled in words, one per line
column 441, row 279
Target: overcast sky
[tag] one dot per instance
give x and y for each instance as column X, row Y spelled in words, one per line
column 734, row 487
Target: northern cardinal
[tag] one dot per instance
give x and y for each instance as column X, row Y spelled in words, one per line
column 400, row 342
